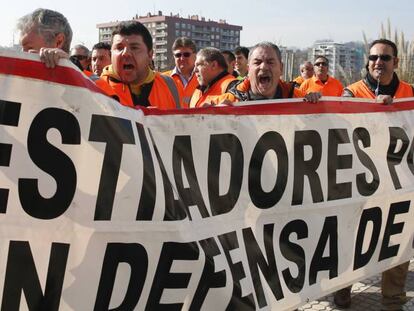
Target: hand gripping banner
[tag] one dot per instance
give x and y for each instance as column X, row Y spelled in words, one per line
column 266, row 205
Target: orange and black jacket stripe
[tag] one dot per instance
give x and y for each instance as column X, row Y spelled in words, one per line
column 366, row 88
column 241, row 91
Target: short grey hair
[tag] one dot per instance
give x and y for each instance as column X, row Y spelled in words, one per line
column 81, row 47
column 266, row 44
column 49, row 24
column 211, row 54
column 303, row 65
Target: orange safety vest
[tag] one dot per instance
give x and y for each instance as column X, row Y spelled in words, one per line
column 214, row 91
column 185, row 91
column 361, row 90
column 288, row 89
column 332, row 87
column 298, row 80
column 239, row 92
column 163, row 95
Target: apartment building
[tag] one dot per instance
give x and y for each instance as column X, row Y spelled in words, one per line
column 166, row 28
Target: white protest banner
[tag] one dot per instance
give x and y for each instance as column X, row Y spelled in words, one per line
column 263, row 206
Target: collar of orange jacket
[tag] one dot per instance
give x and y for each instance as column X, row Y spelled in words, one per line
column 134, row 87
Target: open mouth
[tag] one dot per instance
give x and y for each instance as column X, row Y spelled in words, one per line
column 264, row 79
column 128, row 66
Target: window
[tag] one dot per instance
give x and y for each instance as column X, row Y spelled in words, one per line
column 177, row 25
column 183, row 26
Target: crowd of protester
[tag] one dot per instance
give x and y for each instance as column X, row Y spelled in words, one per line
column 210, row 77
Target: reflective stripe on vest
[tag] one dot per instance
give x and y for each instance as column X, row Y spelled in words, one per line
column 173, row 90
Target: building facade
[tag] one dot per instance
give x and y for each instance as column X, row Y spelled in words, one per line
column 166, row 28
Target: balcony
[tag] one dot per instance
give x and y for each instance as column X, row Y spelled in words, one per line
column 105, row 32
column 201, row 38
column 160, row 57
column 229, row 40
column 162, row 42
column 161, row 34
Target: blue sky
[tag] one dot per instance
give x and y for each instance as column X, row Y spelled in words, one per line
column 289, row 23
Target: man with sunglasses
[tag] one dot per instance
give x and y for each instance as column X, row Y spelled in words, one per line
column 321, row 82
column 381, row 83
column 184, row 52
column 81, row 53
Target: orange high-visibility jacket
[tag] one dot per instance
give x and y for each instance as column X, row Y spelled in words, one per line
column 298, row 80
column 240, row 92
column 163, row 95
column 212, row 92
column 360, row 89
column 185, row 91
column 332, row 87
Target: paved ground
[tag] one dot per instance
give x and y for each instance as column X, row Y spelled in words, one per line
column 366, row 296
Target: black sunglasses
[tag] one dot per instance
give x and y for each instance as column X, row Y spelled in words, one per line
column 185, row 54
column 325, row 64
column 384, row 58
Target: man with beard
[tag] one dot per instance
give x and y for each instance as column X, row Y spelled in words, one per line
column 381, row 83
column 130, row 79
